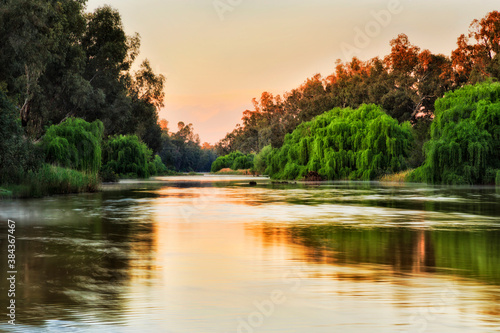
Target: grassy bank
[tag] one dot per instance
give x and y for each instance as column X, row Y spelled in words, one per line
column 239, row 172
column 51, row 180
column 399, row 177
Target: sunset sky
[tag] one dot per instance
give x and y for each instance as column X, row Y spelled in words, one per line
column 217, row 56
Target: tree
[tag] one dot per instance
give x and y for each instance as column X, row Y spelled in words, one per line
column 181, row 151
column 476, row 62
column 18, row 156
column 235, row 161
column 343, row 144
column 75, row 144
column 127, row 156
column 42, row 60
column 465, row 138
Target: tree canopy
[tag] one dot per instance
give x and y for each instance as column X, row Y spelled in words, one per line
column 343, row 144
column 405, row 83
column 181, row 150
column 126, row 155
column 75, row 144
column 59, row 61
column 465, row 138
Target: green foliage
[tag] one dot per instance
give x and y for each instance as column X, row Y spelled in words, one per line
column 260, row 161
column 465, row 138
column 343, row 144
column 109, row 176
column 181, row 151
column 17, row 154
column 156, row 167
column 75, row 144
column 50, row 179
column 59, row 61
column 235, row 161
column 405, row 83
column 421, row 133
column 127, row 156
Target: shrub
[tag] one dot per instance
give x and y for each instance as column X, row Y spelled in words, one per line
column 260, row 161
column 235, row 161
column 127, row 156
column 50, row 179
column 156, row 167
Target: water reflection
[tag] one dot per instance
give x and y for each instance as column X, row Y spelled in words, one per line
column 205, row 254
column 76, row 254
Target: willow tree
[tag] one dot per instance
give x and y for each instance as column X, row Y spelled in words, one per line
column 126, row 155
column 343, row 144
column 465, row 138
column 75, row 144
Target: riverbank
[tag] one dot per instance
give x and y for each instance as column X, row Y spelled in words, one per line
column 231, row 172
column 399, row 177
column 50, row 180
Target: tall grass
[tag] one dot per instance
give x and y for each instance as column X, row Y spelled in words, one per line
column 52, row 179
column 399, row 177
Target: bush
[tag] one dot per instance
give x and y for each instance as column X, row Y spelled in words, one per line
column 465, row 138
column 235, row 161
column 260, row 161
column 127, row 156
column 156, row 167
column 75, row 144
column 109, row 176
column 343, row 144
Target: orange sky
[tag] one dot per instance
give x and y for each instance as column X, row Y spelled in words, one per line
column 219, row 54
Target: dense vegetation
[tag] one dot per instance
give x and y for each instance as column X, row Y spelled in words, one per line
column 235, row 161
column 75, row 144
column 181, row 151
column 343, row 144
column 22, row 168
column 66, row 85
column 405, row 83
column 18, row 156
column 465, row 138
column 68, row 98
column 127, row 156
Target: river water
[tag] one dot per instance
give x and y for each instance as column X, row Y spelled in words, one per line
column 214, row 254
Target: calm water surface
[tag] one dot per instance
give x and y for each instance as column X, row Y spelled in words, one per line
column 213, row 254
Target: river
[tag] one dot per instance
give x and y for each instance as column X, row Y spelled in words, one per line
column 215, row 254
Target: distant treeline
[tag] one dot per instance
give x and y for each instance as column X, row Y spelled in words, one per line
column 405, row 83
column 293, row 136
